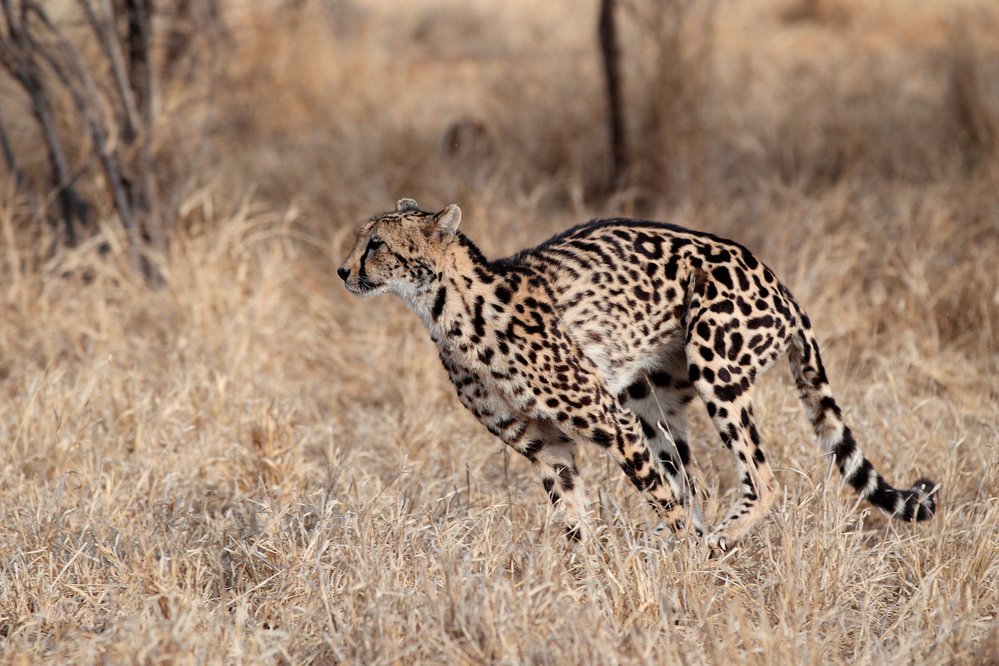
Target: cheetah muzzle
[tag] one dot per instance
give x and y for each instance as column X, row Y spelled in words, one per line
column 604, row 334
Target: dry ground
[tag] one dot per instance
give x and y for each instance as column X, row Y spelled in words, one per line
column 248, row 465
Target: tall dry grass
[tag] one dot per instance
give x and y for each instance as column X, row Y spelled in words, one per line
column 248, row 465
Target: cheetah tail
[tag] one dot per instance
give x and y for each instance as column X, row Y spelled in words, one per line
column 916, row 503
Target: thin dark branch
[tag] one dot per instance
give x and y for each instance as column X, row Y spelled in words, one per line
column 18, row 57
column 20, row 180
column 99, row 138
column 140, row 16
column 612, row 76
column 85, row 98
column 103, row 28
column 111, row 102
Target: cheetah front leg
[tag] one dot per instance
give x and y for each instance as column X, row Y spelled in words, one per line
column 601, row 419
column 551, row 453
column 556, row 464
column 553, row 456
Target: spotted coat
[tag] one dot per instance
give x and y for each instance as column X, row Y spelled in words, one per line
column 603, row 335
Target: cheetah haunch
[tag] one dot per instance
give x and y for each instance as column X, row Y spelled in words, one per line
column 604, row 334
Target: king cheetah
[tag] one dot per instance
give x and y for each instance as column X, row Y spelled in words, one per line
column 604, row 334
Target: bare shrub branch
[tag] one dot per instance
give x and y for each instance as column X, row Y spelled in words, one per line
column 111, row 95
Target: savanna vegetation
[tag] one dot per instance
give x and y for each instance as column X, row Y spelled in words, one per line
column 210, row 452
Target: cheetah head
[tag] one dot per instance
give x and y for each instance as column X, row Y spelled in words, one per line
column 399, row 252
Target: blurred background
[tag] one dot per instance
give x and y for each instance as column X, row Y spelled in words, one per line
column 190, row 402
column 128, row 113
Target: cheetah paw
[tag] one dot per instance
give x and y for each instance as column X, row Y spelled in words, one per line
column 661, row 536
column 718, row 544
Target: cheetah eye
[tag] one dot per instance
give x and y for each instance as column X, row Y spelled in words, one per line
column 374, row 243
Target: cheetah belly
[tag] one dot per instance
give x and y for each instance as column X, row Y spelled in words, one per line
column 620, row 349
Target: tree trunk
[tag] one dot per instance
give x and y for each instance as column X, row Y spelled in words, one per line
column 612, row 74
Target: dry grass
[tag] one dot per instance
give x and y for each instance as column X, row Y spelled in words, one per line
column 251, row 466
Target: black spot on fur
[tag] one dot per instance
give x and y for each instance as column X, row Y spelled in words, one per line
column 883, row 495
column 844, row 450
column 601, row 437
column 720, row 342
column 649, row 246
column 668, row 464
column 734, row 345
column 660, row 378
column 828, row 404
column 728, row 392
column 721, row 274
column 532, row 448
column 638, row 390
column 723, row 307
column 439, row 303
column 741, row 276
column 683, row 450
column 549, row 485
column 478, row 321
column 766, row 321
column 862, row 475
column 671, row 268
column 693, row 373
column 483, row 276
column 565, row 478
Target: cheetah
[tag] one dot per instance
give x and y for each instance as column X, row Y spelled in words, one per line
column 604, row 334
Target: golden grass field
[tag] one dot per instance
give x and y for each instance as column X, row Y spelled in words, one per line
column 248, row 465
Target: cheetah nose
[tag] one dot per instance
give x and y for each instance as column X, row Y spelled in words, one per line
column 344, row 273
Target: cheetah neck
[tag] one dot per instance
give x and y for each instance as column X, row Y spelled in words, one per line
column 451, row 305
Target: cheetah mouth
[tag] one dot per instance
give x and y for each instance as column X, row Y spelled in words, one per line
column 364, row 288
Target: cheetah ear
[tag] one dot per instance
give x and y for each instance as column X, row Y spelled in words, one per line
column 446, row 222
column 406, row 205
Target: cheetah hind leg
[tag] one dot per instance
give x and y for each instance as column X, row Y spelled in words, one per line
column 660, row 401
column 757, row 483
